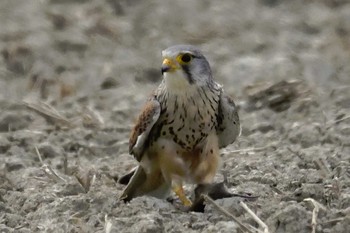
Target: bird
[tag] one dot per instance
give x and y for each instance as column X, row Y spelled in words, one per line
column 183, row 125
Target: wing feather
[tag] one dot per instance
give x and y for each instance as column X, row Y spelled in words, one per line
column 143, row 126
column 229, row 127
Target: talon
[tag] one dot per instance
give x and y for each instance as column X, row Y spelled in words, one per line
column 179, row 191
column 187, row 202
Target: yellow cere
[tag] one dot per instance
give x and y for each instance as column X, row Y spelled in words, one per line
column 170, row 63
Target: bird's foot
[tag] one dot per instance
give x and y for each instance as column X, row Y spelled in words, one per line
column 179, row 191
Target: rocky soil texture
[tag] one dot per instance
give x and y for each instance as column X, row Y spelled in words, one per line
column 74, row 75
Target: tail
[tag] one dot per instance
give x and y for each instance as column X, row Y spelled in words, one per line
column 139, row 183
column 134, row 180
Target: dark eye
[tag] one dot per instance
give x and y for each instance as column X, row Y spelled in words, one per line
column 186, row 57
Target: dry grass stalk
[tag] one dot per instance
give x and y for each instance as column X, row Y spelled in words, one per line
column 91, row 118
column 276, row 190
column 322, row 167
column 315, row 211
column 88, row 118
column 247, row 150
column 108, row 224
column 51, row 115
column 86, row 178
column 337, row 121
column 65, row 164
column 226, row 213
column 255, row 217
column 334, row 188
column 50, row 173
column 333, row 221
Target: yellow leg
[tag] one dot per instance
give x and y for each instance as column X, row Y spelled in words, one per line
column 179, row 191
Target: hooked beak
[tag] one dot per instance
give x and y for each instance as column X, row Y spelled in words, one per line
column 168, row 66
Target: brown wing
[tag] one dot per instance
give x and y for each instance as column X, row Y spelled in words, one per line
column 143, row 126
column 228, row 121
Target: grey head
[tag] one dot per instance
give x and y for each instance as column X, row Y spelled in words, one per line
column 185, row 63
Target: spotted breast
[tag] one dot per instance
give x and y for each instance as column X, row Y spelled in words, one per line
column 187, row 119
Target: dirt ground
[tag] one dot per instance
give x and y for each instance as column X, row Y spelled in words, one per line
column 74, row 75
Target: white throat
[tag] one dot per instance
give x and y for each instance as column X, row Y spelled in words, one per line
column 177, row 82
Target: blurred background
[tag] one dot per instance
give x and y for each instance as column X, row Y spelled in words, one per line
column 61, row 47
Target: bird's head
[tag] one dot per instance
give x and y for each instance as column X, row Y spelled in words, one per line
column 184, row 66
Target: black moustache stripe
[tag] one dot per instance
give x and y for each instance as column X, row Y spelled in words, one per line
column 186, row 69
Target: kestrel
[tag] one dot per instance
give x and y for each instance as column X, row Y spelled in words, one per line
column 181, row 128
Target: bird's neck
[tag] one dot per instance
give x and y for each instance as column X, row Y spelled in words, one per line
column 178, row 84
